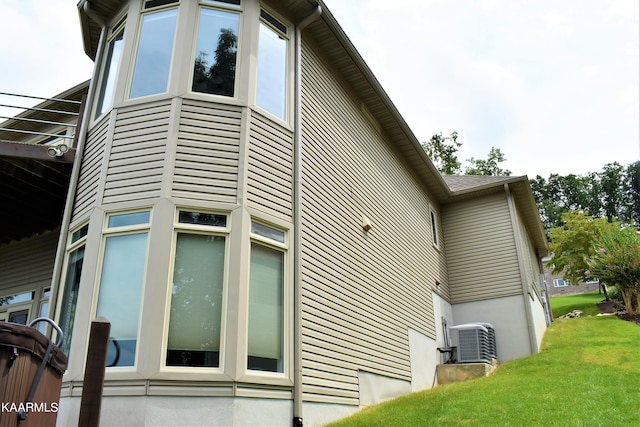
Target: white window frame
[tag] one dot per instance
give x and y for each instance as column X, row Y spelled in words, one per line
column 287, row 299
column 122, row 231
column 199, row 229
column 560, row 283
column 435, row 228
column 288, row 84
column 119, row 24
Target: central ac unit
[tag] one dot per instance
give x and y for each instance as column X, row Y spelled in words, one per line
column 476, row 342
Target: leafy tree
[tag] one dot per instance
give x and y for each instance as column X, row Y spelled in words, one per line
column 574, row 244
column 612, row 189
column 616, row 262
column 491, row 166
column 219, row 77
column 442, row 151
column 632, row 189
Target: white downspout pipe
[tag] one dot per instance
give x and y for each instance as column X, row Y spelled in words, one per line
column 75, row 170
column 297, row 219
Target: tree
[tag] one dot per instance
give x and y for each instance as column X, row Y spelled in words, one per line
column 491, row 166
column 612, row 189
column 632, row 189
column 442, row 151
column 574, row 244
column 616, row 262
column 219, row 77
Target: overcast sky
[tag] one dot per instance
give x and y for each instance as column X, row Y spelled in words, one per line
column 553, row 83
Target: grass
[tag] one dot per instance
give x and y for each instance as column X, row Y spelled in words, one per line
column 586, row 302
column 587, row 374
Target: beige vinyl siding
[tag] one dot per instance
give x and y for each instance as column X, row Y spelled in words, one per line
column 137, row 153
column 270, row 170
column 360, row 290
column 28, row 262
column 529, row 257
column 90, row 168
column 206, row 165
column 481, row 250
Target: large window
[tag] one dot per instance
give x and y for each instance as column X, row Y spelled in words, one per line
column 265, row 344
column 215, row 63
column 72, row 286
column 153, row 56
column 121, row 280
column 197, row 289
column 271, row 90
column 111, row 65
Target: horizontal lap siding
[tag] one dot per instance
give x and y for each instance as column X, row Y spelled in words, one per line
column 206, row 165
column 360, row 291
column 90, row 168
column 481, row 250
column 29, row 261
column 137, row 153
column 270, row 172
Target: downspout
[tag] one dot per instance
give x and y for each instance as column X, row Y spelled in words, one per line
column 297, row 220
column 81, row 136
column 533, row 342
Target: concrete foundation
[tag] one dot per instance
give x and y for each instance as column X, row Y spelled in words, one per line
column 458, row 372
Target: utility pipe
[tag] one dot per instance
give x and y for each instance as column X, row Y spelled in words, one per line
column 297, row 220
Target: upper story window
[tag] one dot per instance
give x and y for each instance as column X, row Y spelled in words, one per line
column 271, row 89
column 111, row 65
column 559, row 283
column 155, row 46
column 215, row 59
column 434, row 229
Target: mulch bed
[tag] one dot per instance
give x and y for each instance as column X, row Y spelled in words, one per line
column 612, row 306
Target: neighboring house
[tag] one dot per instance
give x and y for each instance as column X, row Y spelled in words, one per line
column 557, row 285
column 265, row 234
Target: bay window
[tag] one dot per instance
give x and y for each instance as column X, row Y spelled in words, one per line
column 121, row 280
column 197, row 290
column 69, row 302
column 153, row 56
column 215, row 63
column 110, row 70
column 266, row 327
column 271, row 90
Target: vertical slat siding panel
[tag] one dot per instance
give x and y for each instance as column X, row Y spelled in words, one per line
column 28, row 261
column 206, row 166
column 270, row 171
column 361, row 291
column 86, row 191
column 139, row 144
column 479, row 270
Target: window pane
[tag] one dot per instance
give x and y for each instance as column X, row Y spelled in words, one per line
column 200, row 218
column 70, row 297
column 266, row 318
column 105, row 99
column 272, row 72
column 153, row 59
column 44, row 308
column 123, row 220
column 196, row 301
column 20, row 317
column 215, row 64
column 268, row 232
column 13, row 299
column 120, row 293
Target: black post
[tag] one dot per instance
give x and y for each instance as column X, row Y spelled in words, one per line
column 94, row 373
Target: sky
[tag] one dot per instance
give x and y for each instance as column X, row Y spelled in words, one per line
column 554, row 84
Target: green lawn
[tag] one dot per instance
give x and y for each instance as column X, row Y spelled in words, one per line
column 587, row 374
column 586, row 302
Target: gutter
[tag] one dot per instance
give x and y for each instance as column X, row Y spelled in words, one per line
column 81, row 136
column 297, row 219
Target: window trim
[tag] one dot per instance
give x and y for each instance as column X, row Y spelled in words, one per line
column 435, row 228
column 119, row 24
